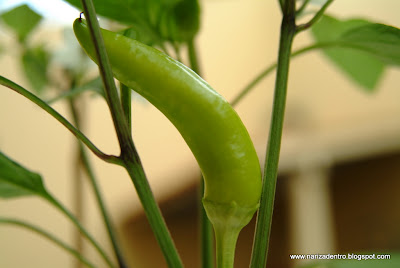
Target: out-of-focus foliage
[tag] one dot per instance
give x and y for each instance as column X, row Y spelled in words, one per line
column 154, row 21
column 22, row 20
column 16, row 181
column 357, row 65
column 361, row 49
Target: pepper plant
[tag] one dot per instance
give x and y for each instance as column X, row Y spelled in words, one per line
column 138, row 56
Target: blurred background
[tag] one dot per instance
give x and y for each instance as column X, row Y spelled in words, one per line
column 338, row 188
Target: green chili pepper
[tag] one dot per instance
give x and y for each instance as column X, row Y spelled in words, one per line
column 209, row 125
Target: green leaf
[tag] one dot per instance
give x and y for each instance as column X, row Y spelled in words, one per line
column 330, row 29
column 16, row 181
column 394, row 262
column 161, row 20
column 35, row 62
column 186, row 17
column 125, row 11
column 360, row 66
column 22, row 20
column 380, row 40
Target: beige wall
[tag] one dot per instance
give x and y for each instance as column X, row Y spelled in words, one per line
column 238, row 39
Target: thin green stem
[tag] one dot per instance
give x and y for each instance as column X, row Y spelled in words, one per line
column 48, row 236
column 206, row 229
column 114, row 104
column 57, row 204
column 78, row 208
column 153, row 213
column 316, row 17
column 264, row 217
column 250, row 86
column 129, row 154
column 126, row 101
column 77, row 198
column 93, row 181
column 177, row 50
column 106, row 218
column 193, row 59
column 302, row 7
column 77, row 182
column 108, row 158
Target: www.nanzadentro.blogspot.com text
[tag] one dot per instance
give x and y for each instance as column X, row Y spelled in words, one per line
column 349, row 256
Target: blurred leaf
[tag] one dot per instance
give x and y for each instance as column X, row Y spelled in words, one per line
column 186, row 17
column 16, row 181
column 140, row 35
column 95, row 85
column 330, row 29
column 360, row 66
column 35, row 62
column 125, row 11
column 394, row 262
column 22, row 20
column 160, row 20
column 380, row 40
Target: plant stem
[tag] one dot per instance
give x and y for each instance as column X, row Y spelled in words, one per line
column 177, row 50
column 77, row 185
column 76, row 180
column 206, row 229
column 153, row 213
column 126, row 101
column 264, row 217
column 302, row 7
column 192, row 52
column 114, row 104
column 108, row 158
column 93, row 181
column 48, row 236
column 129, row 155
column 250, row 86
column 106, row 218
column 316, row 17
column 57, row 204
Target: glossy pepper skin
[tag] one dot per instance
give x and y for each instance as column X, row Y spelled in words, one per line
column 209, row 125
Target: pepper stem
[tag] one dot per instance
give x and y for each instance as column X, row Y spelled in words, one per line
column 226, row 243
column 228, row 219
